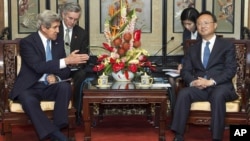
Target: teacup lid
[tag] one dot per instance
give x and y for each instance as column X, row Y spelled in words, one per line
column 103, row 75
column 145, row 74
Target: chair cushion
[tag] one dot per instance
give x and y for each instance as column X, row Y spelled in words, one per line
column 45, row 105
column 18, row 64
column 233, row 106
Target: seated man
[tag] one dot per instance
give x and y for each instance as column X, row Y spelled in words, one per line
column 208, row 68
column 44, row 63
column 75, row 38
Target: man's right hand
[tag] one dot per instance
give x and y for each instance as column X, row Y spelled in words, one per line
column 75, row 58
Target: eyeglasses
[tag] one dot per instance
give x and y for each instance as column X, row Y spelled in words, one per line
column 204, row 23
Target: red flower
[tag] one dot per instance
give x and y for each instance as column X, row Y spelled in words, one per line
column 102, row 57
column 108, row 47
column 112, row 60
column 137, row 35
column 133, row 68
column 118, row 66
column 98, row 68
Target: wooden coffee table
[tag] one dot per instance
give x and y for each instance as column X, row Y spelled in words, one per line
column 136, row 95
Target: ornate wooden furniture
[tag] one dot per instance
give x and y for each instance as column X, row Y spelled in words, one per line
column 238, row 110
column 11, row 111
column 129, row 96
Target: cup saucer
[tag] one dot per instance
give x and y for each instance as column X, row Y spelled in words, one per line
column 103, row 86
column 144, row 85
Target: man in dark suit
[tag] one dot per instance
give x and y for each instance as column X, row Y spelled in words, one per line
column 209, row 78
column 77, row 39
column 44, row 63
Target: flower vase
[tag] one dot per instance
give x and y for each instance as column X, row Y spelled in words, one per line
column 120, row 76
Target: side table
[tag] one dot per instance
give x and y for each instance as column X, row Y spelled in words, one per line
column 137, row 95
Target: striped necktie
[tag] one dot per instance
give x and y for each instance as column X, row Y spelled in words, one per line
column 67, row 42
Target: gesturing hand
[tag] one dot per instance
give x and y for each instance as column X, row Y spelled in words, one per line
column 75, row 58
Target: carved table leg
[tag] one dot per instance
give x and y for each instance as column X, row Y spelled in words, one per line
column 86, row 120
column 162, row 120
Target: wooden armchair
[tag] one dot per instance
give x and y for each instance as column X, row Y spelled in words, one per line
column 237, row 112
column 11, row 111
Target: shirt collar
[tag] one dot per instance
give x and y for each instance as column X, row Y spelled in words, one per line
column 65, row 27
column 43, row 38
column 212, row 40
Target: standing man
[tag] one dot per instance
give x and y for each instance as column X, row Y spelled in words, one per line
column 208, row 68
column 75, row 38
column 43, row 64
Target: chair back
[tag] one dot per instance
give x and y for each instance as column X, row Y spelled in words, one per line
column 10, row 52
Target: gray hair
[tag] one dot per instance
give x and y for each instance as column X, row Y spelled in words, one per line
column 71, row 7
column 46, row 18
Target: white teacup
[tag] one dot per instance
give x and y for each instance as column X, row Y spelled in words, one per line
column 103, row 80
column 146, row 80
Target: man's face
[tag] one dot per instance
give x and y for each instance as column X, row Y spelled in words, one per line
column 71, row 18
column 51, row 33
column 206, row 26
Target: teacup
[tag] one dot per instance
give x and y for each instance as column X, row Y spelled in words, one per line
column 103, row 80
column 146, row 79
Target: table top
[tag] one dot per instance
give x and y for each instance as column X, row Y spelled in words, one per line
column 93, row 85
column 125, row 93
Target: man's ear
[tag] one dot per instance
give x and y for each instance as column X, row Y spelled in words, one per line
column 43, row 28
column 215, row 25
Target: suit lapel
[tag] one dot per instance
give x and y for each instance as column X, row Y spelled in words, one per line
column 39, row 43
column 216, row 48
column 199, row 53
column 74, row 37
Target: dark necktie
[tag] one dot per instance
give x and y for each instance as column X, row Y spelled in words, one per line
column 206, row 54
column 48, row 51
column 67, row 42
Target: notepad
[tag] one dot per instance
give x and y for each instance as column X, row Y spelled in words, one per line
column 173, row 74
column 160, row 85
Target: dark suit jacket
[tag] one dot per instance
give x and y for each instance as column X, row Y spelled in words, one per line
column 79, row 39
column 221, row 65
column 34, row 64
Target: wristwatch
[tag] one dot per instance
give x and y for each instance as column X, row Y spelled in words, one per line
column 214, row 83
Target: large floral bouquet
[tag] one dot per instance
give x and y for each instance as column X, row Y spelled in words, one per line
column 123, row 43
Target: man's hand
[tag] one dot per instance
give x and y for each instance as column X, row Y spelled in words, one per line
column 202, row 83
column 51, row 79
column 179, row 68
column 75, row 58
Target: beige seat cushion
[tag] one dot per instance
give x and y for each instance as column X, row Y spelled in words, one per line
column 233, row 106
column 18, row 63
column 45, row 105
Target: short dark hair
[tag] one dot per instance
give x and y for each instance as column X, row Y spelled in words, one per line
column 189, row 14
column 208, row 13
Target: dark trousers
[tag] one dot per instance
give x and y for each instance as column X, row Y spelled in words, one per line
column 217, row 96
column 78, row 78
column 30, row 101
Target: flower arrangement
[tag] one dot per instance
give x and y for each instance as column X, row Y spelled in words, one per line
column 123, row 43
